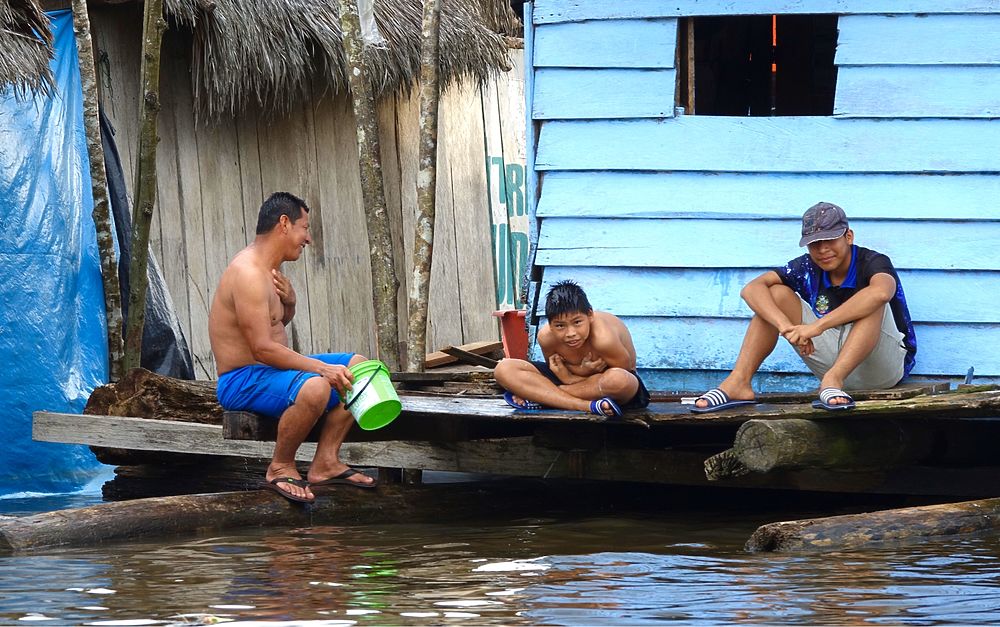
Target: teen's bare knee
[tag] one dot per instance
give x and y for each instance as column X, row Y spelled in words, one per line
column 617, row 382
column 509, row 369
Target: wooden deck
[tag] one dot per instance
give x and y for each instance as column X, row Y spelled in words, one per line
column 935, row 443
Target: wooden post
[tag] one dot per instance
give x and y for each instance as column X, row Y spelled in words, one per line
column 385, row 284
column 99, row 186
column 423, row 236
column 145, row 180
column 837, row 533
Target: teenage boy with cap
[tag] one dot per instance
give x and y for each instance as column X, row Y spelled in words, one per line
column 840, row 306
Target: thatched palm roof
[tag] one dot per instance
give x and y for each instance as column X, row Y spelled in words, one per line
column 25, row 47
column 269, row 51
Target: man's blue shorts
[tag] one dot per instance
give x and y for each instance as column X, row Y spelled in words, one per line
column 269, row 391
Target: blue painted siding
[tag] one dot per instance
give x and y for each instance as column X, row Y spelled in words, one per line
column 663, row 219
column 935, row 296
column 906, row 196
column 567, row 93
column 906, row 40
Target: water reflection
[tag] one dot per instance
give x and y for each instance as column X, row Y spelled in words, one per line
column 551, row 571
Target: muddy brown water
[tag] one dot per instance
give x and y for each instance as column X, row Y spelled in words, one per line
column 675, row 558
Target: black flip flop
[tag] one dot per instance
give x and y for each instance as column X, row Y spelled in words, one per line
column 342, row 479
column 273, row 486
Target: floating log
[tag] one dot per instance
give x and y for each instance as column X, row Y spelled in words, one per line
column 340, row 505
column 853, row 531
column 767, row 445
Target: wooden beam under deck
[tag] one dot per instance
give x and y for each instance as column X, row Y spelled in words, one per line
column 514, row 456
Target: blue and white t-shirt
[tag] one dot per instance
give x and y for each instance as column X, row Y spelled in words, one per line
column 813, row 284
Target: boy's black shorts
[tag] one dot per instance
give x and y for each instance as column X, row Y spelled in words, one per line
column 639, row 401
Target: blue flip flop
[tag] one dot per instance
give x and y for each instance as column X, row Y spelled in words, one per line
column 828, row 394
column 525, row 405
column 717, row 401
column 596, row 408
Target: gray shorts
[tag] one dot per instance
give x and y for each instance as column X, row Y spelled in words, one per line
column 882, row 369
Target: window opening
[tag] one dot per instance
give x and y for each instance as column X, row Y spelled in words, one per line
column 757, row 65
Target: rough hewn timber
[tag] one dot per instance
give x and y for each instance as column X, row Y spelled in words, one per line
column 385, row 284
column 877, row 528
column 423, row 232
column 145, row 180
column 144, row 394
column 767, row 445
column 99, row 187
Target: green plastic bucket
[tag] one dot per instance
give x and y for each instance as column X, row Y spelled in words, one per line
column 372, row 400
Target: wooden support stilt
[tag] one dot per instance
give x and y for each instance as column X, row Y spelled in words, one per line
column 877, row 528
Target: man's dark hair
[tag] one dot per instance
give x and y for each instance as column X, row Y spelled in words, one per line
column 279, row 204
column 566, row 297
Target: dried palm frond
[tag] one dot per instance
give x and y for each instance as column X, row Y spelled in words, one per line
column 25, row 48
column 270, row 51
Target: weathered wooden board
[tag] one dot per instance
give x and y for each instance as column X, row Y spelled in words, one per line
column 194, row 265
column 917, row 92
column 510, row 456
column 769, row 145
column 555, row 11
column 443, row 357
column 464, row 136
column 837, row 533
column 682, row 243
column 609, row 44
column 572, row 93
column 973, row 296
column 349, row 304
column 748, row 196
column 169, row 208
column 918, row 40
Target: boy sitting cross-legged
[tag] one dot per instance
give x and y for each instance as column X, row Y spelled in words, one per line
column 589, row 361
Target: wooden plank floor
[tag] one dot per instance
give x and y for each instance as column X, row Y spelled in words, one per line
column 956, row 404
column 524, row 456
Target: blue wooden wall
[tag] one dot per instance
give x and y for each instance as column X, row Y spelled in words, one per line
column 663, row 218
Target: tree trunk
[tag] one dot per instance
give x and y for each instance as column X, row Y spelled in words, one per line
column 837, row 533
column 423, row 236
column 385, row 284
column 144, row 394
column 853, row 445
column 145, row 180
column 99, row 185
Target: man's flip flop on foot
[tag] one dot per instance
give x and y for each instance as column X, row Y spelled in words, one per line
column 286, row 481
column 589, row 361
column 349, row 476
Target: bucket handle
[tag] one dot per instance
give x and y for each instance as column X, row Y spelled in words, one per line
column 364, row 387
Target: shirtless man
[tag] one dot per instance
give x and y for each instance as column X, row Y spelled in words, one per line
column 589, row 361
column 257, row 370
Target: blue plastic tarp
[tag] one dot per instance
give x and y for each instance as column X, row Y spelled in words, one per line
column 53, row 347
